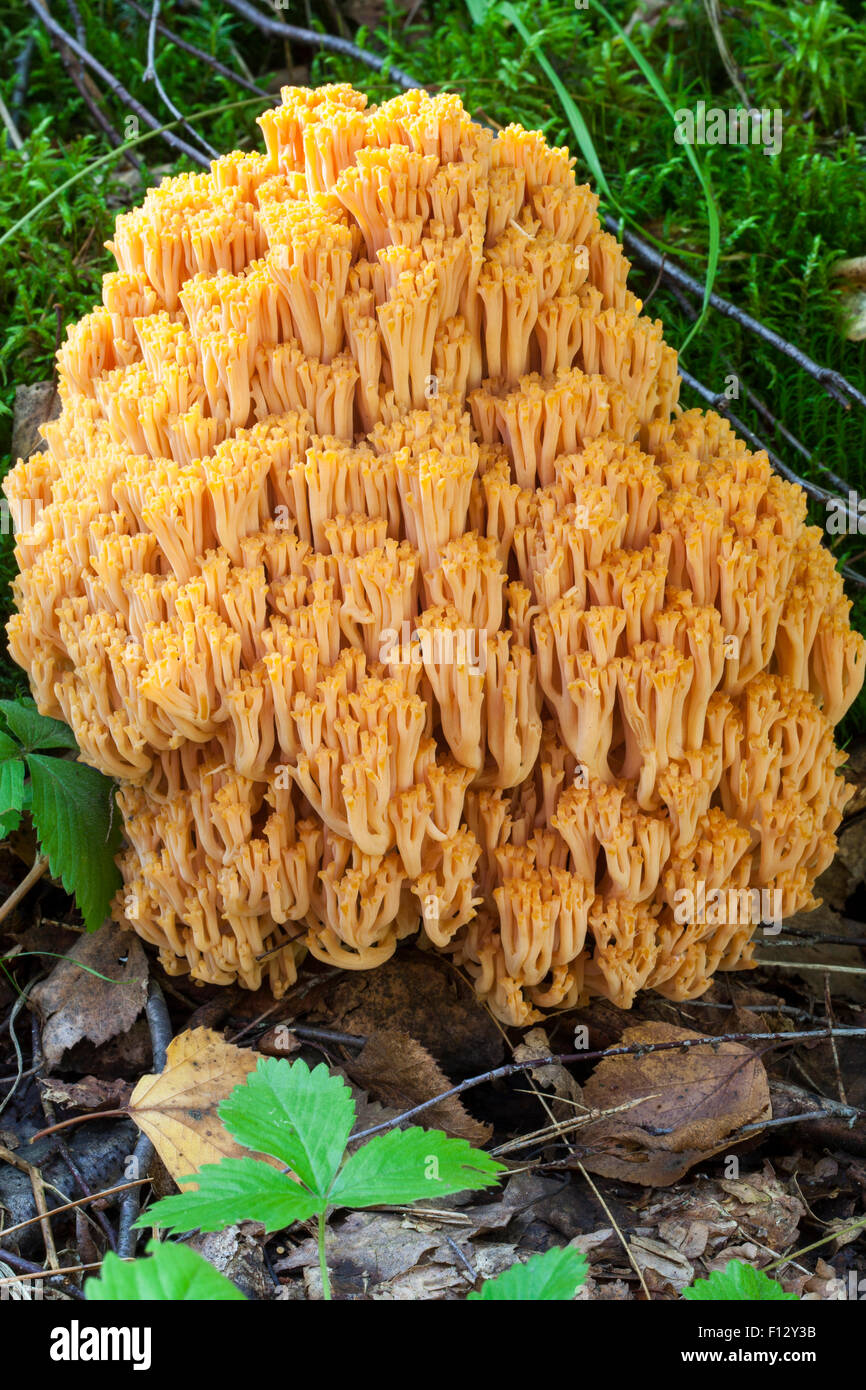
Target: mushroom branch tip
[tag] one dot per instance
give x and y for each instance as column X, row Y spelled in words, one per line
column 375, row 558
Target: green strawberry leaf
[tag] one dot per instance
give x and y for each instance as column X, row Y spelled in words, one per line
column 11, row 795
column 8, row 748
column 170, row 1274
column 35, row 730
column 235, row 1189
column 407, row 1165
column 299, row 1116
column 556, row 1274
column 79, row 829
column 737, row 1281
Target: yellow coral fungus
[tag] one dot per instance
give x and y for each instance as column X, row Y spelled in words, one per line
column 374, row 557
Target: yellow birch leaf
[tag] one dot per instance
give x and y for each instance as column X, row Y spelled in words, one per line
column 177, row 1109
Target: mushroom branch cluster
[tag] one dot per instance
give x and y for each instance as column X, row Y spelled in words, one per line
column 374, row 557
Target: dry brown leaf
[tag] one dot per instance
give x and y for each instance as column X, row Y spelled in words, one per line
column 90, row 1093
column 763, row 1208
column 423, row 996
column 177, row 1109
column 683, row 1106
column 665, row 1269
column 394, row 1067
column 553, row 1079
column 75, row 1004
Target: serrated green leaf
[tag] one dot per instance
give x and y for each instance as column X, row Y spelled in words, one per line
column 8, row 748
column 235, row 1189
column 407, row 1165
column 738, row 1281
column 79, row 829
column 35, row 730
column 557, row 1274
column 170, row 1274
column 11, row 795
column 302, row 1117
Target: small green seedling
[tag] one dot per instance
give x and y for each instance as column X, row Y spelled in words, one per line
column 171, row 1274
column 555, row 1275
column 71, row 805
column 737, row 1282
column 303, row 1119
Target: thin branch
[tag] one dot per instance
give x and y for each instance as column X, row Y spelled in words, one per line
column 714, row 16
column 38, row 1273
column 11, row 127
column 23, row 64
column 68, row 1206
column 810, row 965
column 331, row 42
column 763, row 410
column 32, row 1271
column 834, row 1235
column 160, row 1037
column 16, row 1009
column 39, row 867
column 633, row 1050
column 98, row 1218
column 833, row 383
column 150, row 71
column 203, row 56
column 114, row 86
column 86, row 87
column 151, row 75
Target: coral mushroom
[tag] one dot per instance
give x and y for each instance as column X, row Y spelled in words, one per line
column 378, row 563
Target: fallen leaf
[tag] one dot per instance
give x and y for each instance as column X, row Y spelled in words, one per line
column 279, row 1042
column 367, row 1248
column 682, row 1106
column 397, row 1070
column 422, row 996
column 90, row 1093
column 177, row 1109
column 553, row 1079
column 665, row 1269
column 74, row 1003
column 824, row 1284
column 763, row 1208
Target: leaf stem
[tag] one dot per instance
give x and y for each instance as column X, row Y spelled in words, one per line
column 323, row 1263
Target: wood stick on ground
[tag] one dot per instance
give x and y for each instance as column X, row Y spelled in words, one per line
column 206, row 58
column 833, row 382
column 69, row 1206
column 632, row 1049
column 151, row 75
column 38, row 1187
column 115, row 87
column 38, row 868
column 32, row 1271
column 311, row 39
column 160, row 1037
